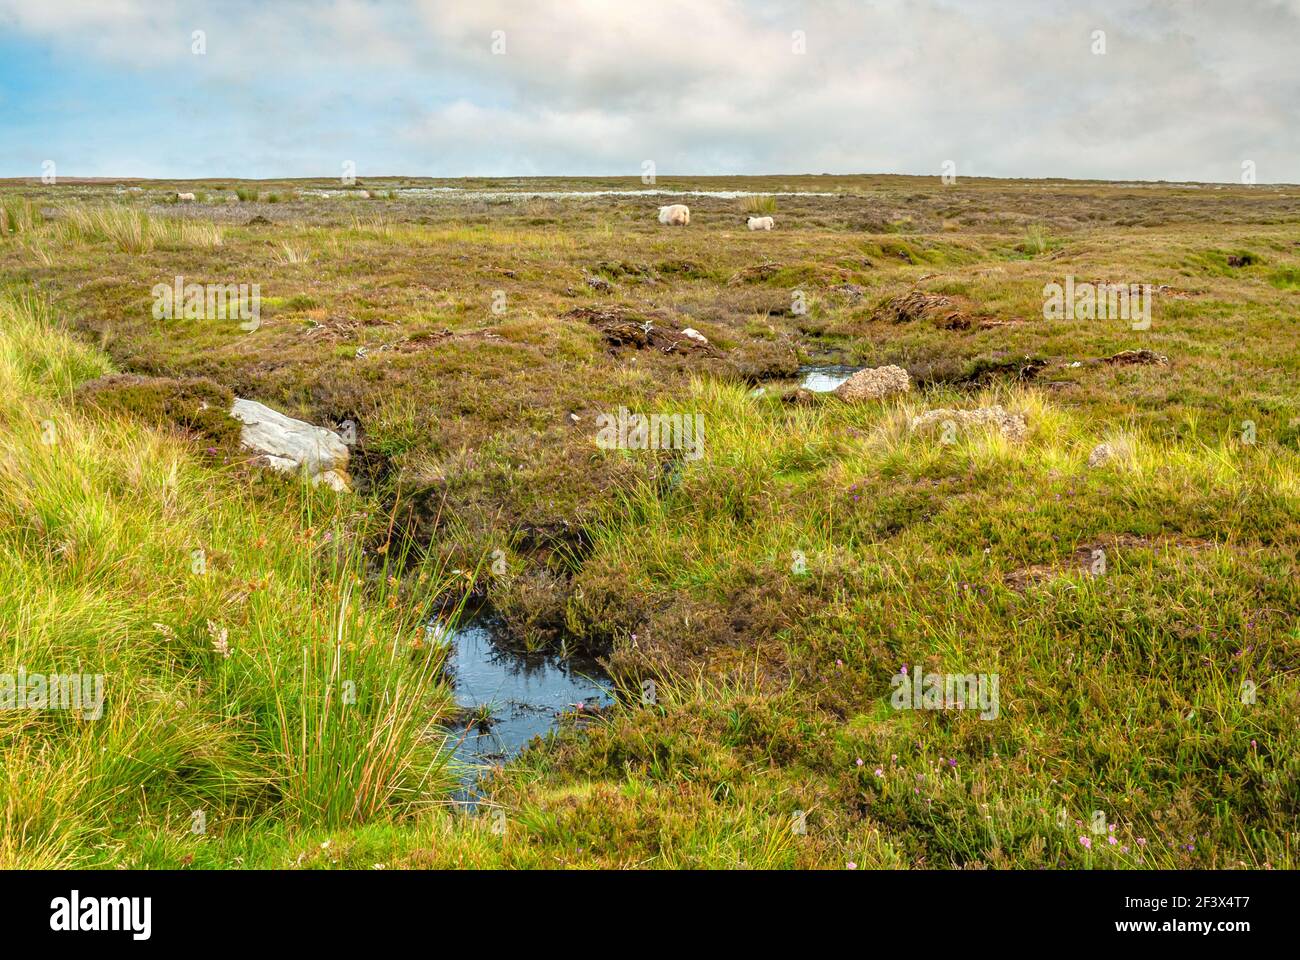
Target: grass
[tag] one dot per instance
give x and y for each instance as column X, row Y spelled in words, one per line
column 18, row 216
column 197, row 234
column 288, row 254
column 319, row 714
column 910, row 548
column 133, row 232
column 758, row 206
column 1037, row 242
column 1121, row 692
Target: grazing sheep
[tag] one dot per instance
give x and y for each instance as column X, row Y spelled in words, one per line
column 675, row 215
column 185, row 198
column 760, row 223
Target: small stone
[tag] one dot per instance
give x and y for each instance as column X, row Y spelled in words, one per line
column 1102, row 453
column 693, row 334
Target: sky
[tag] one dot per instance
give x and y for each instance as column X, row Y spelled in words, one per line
column 1184, row 90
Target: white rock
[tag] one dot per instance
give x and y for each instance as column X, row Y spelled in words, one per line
column 694, row 334
column 332, row 479
column 288, row 444
column 279, row 464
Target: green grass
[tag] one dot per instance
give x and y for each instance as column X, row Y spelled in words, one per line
column 18, row 215
column 1119, row 692
column 1037, row 242
column 1286, row 279
column 319, row 716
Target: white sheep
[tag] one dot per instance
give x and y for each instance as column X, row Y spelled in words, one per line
column 675, row 215
column 760, row 223
column 185, row 198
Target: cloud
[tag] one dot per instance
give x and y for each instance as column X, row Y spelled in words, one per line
column 1183, row 91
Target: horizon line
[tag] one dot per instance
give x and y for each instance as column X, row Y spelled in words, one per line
column 35, row 179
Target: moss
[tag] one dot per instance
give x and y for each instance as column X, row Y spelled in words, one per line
column 194, row 404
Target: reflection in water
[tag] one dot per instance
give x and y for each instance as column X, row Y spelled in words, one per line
column 523, row 692
column 825, row 378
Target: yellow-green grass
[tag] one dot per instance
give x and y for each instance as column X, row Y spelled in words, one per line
column 132, row 231
column 124, row 554
column 1121, row 692
column 1119, row 688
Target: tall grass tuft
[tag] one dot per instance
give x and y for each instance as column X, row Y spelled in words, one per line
column 287, row 254
column 19, row 216
column 129, row 230
column 195, row 233
column 759, row 206
column 134, row 232
column 1037, row 241
column 285, row 678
